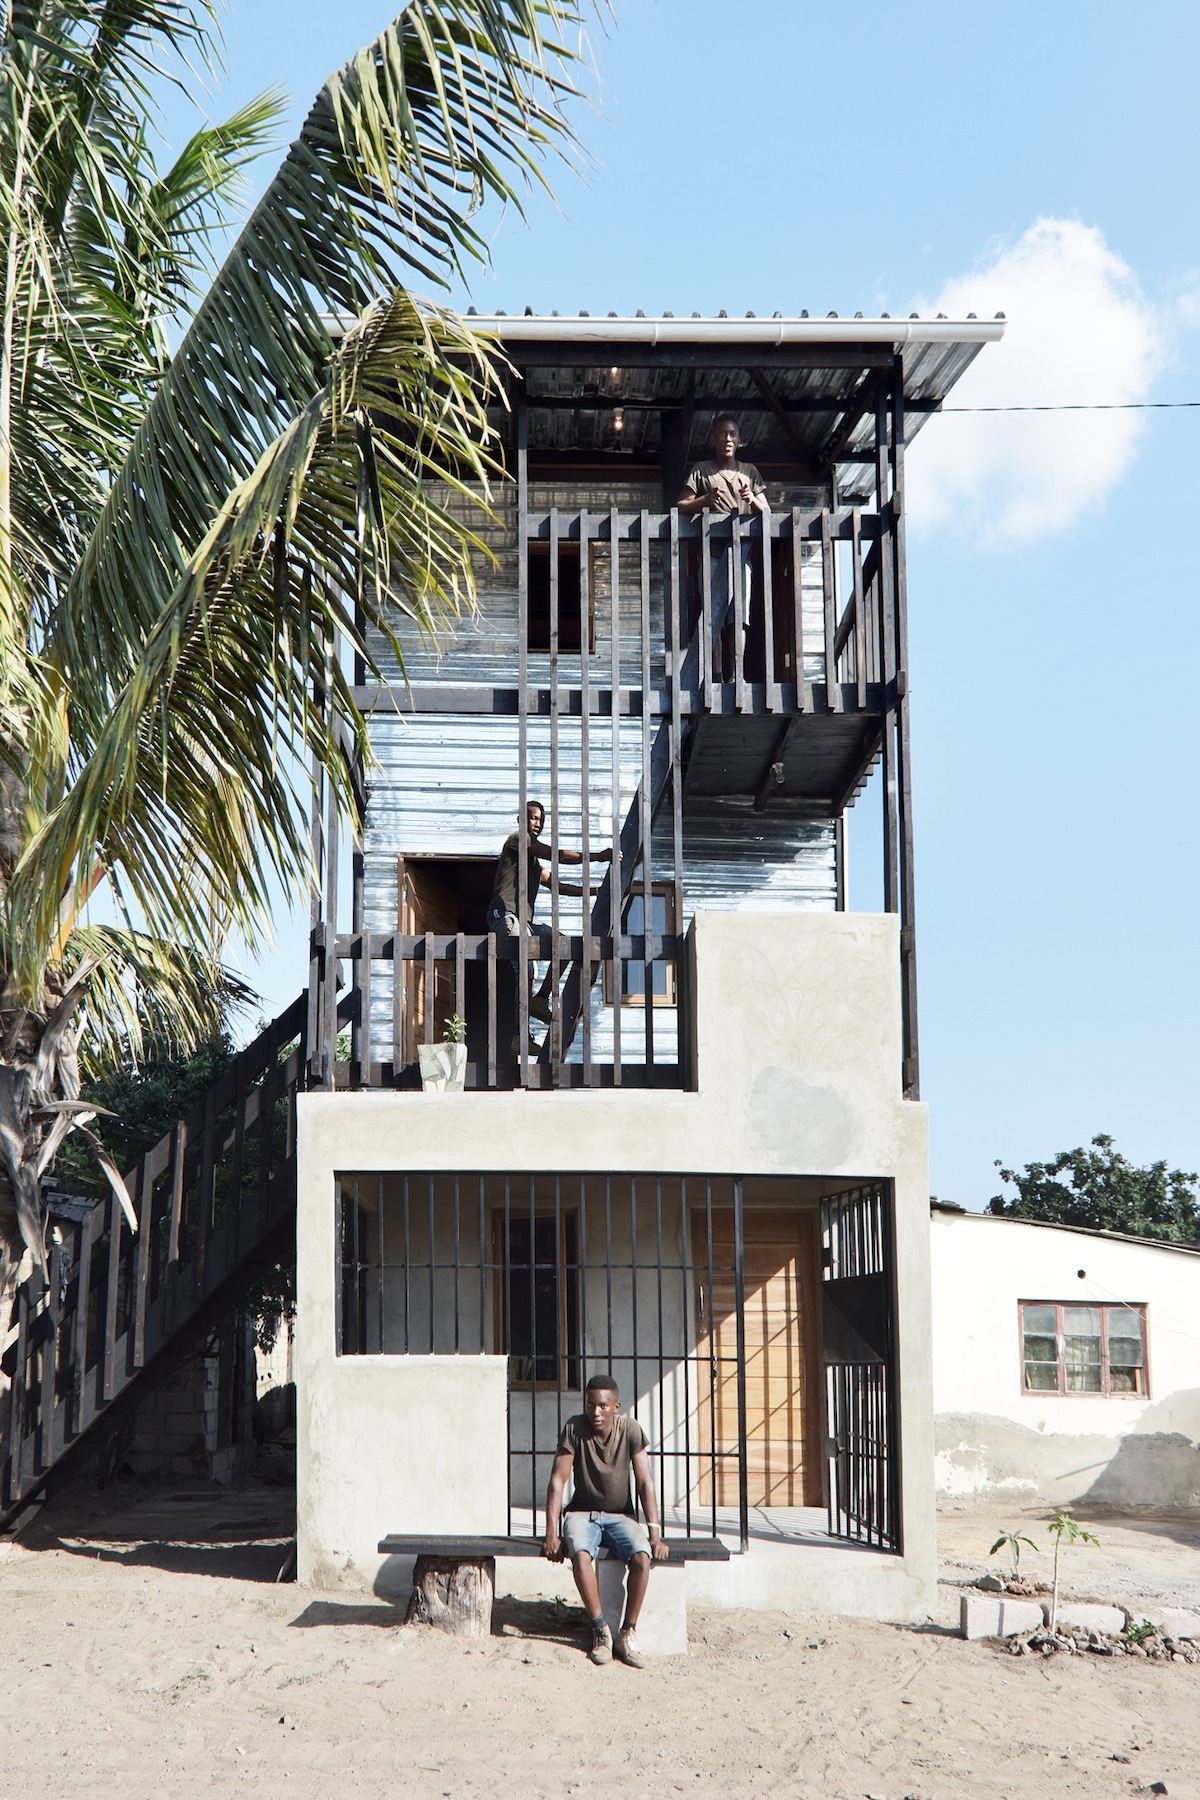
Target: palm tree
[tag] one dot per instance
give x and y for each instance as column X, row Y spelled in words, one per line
column 187, row 535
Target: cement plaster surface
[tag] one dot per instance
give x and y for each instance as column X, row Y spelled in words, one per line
column 996, row 1442
column 796, row 1052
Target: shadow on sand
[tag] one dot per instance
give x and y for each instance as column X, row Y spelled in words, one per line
column 235, row 1533
column 344, row 1612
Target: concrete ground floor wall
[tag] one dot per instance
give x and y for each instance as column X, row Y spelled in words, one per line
column 1154, row 1465
column 200, row 1419
column 795, row 1058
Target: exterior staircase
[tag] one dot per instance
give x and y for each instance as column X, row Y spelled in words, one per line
column 215, row 1205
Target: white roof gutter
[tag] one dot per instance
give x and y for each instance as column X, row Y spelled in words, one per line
column 514, row 328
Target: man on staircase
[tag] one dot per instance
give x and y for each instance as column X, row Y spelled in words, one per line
column 503, row 911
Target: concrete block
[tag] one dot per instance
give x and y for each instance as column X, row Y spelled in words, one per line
column 1108, row 1619
column 982, row 1616
column 662, row 1628
column 1172, row 1621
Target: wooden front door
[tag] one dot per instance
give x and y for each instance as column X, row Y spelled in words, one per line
column 784, row 1464
column 442, row 895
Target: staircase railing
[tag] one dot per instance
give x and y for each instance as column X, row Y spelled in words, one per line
column 212, row 1200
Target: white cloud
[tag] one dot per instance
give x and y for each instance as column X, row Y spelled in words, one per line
column 1079, row 330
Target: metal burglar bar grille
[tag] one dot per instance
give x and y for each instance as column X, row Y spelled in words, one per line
column 642, row 1276
column 860, row 1365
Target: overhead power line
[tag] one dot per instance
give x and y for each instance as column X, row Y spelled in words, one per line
column 1082, row 406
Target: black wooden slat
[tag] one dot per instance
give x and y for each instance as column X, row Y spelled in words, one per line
column 585, row 775
column 675, row 613
column 83, row 1278
column 430, row 977
column 706, row 616
column 738, row 609
column 50, row 1319
column 524, row 897
column 618, row 878
column 116, row 1222
column 491, row 1007
column 773, row 699
column 647, row 870
column 144, row 1206
column 860, row 618
column 16, row 1398
column 832, row 685
column 554, row 1035
column 798, row 610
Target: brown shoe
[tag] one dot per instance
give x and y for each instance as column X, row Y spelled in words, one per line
column 626, row 1650
column 602, row 1644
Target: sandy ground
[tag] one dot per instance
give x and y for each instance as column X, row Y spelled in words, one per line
column 150, row 1652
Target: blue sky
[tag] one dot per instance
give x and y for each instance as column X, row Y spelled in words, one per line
column 1039, row 159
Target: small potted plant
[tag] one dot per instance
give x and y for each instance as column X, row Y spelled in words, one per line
column 444, row 1065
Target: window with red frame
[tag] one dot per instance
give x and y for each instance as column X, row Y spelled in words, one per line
column 1072, row 1349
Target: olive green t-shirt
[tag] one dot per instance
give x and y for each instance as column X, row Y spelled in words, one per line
column 603, row 1466
column 504, row 887
column 732, row 488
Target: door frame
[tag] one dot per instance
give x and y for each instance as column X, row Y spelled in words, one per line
column 808, row 1320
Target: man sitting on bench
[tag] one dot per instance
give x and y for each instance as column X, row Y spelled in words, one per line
column 603, row 1446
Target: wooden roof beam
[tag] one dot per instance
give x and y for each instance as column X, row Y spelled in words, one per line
column 803, row 451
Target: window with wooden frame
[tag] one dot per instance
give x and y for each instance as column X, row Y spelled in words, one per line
column 569, row 620
column 537, row 1310
column 1073, row 1349
column 633, row 974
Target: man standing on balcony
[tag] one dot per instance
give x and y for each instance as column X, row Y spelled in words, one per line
column 727, row 489
column 503, row 908
column 603, row 1448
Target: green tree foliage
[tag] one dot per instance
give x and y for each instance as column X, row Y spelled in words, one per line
column 216, row 484
column 1100, row 1188
column 142, row 1102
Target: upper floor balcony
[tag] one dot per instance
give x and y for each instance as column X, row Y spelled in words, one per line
column 704, row 693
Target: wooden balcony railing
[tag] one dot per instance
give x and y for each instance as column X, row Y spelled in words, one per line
column 781, row 599
column 401, row 990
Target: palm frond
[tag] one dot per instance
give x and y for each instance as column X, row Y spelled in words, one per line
column 232, row 548
column 249, row 631
column 147, row 994
column 102, row 250
column 454, row 102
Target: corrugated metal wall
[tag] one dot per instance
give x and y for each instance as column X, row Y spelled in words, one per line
column 448, row 785
column 483, row 647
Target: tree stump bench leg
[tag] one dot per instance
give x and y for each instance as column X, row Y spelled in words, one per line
column 454, row 1593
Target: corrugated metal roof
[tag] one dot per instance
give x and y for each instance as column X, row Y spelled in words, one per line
column 620, row 408
column 948, row 1207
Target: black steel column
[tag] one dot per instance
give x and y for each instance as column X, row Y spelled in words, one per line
column 521, row 972
column 739, row 1283
column 908, row 927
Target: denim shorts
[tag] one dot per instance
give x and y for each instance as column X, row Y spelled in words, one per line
column 624, row 1536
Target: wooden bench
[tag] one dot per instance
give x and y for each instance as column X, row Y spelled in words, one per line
column 454, row 1578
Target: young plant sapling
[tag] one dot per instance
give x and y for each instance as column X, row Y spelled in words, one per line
column 455, row 1029
column 1014, row 1540
column 1065, row 1530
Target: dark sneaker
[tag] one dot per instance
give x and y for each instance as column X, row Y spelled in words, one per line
column 602, row 1644
column 541, row 1006
column 627, row 1649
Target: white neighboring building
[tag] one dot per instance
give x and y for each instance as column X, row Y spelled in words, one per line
column 1066, row 1364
